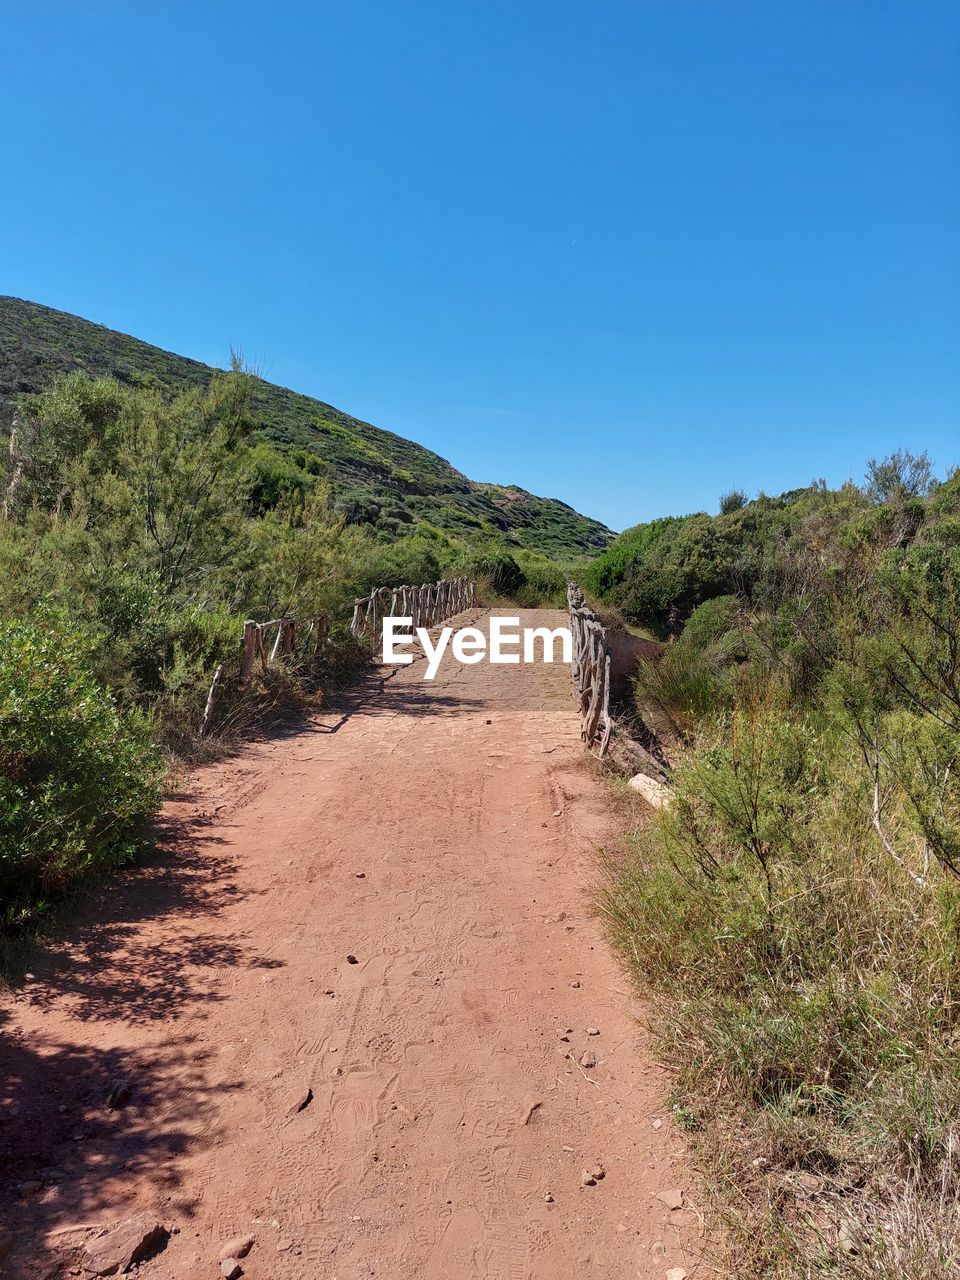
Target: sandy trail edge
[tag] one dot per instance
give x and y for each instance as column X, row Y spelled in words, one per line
column 444, row 835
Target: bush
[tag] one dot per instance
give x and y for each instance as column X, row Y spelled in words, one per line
column 545, row 585
column 692, row 679
column 795, row 913
column 732, row 500
column 683, row 685
column 77, row 779
column 806, row 992
column 712, row 622
column 495, row 572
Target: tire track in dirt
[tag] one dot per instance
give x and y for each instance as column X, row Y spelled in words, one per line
column 443, row 835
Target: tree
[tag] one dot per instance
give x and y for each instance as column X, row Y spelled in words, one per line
column 899, row 476
column 732, row 500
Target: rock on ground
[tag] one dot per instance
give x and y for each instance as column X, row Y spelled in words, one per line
column 120, row 1247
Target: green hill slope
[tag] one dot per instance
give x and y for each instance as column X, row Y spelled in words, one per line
column 379, row 478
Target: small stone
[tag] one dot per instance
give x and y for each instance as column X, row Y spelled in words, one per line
column 575, row 984
column 132, row 1241
column 360, row 875
column 593, row 1031
column 655, row 793
column 677, row 1273
column 352, row 960
column 548, row 1198
column 656, row 1124
column 238, row 1247
column 119, row 1095
column 810, row 1183
column 588, row 1060
column 231, row 1268
column 845, row 1238
column 598, row 1172
column 299, row 1101
column 557, row 813
column 658, row 1250
column 587, row 1178
column 672, row 1198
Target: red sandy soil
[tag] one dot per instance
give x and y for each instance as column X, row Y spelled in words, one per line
column 445, row 836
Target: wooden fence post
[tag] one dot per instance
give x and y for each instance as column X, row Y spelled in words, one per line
column 251, row 634
column 208, row 709
column 590, row 670
column 288, row 637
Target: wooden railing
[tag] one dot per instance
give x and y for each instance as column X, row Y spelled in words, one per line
column 591, row 670
column 290, row 639
column 290, row 632
column 295, row 638
column 427, row 605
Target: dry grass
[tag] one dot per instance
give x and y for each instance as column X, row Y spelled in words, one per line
column 802, row 989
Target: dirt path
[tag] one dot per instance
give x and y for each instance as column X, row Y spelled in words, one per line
column 385, row 906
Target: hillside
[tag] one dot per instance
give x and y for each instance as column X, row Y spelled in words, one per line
column 380, row 478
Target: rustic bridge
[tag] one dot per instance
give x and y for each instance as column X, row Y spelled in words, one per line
column 289, row 639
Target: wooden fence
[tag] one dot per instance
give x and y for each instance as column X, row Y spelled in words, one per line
column 427, row 605
column 286, row 639
column 295, row 637
column 591, row 670
column 291, row 631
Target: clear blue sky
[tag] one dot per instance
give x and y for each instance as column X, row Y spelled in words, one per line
column 628, row 253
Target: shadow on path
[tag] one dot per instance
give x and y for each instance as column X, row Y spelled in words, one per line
column 78, row 1156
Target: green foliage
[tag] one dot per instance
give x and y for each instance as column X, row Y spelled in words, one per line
column 77, row 777
column 732, row 500
column 499, row 572
column 795, row 913
column 628, row 553
column 669, row 566
column 693, row 678
column 151, row 527
column 902, row 476
column 378, row 479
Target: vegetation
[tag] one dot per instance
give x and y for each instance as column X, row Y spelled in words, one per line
column 795, row 913
column 376, row 479
column 77, row 778
column 148, row 505
column 138, row 529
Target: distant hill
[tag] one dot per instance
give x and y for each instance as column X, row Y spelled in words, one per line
column 376, row 475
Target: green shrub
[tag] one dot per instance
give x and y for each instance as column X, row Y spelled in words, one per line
column 545, row 585
column 732, row 500
column 682, row 686
column 712, row 622
column 77, row 779
column 495, row 572
column 805, row 988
